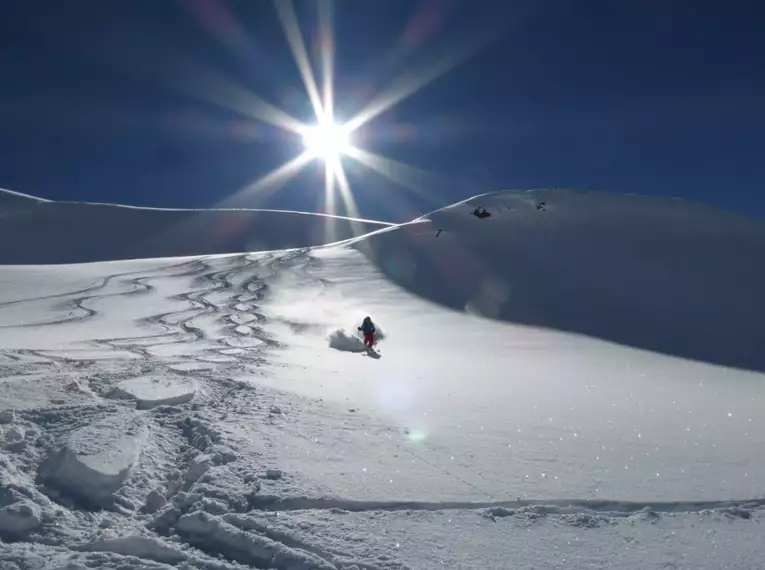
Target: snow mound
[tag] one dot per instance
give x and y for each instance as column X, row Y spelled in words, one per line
column 97, row 459
column 660, row 274
column 152, row 391
column 84, row 232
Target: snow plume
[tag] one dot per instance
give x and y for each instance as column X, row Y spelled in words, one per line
column 351, row 341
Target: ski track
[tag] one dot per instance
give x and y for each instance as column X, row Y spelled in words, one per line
column 552, row 506
column 194, row 445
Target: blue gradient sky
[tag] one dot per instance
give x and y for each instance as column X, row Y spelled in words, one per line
column 99, row 99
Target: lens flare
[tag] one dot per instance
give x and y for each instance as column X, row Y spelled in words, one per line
column 327, row 141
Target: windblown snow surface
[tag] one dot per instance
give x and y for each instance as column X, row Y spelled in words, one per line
column 574, row 382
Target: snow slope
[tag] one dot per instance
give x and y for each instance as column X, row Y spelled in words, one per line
column 34, row 231
column 215, row 412
column 660, row 274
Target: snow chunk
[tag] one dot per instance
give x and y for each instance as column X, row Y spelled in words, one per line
column 7, row 416
column 233, row 351
column 274, row 474
column 154, row 501
column 98, row 458
column 242, row 318
column 737, row 512
column 13, row 434
column 19, row 518
column 138, row 546
column 218, row 358
column 645, row 515
column 247, row 342
column 199, row 433
column 9, row 475
column 190, row 367
column 584, row 520
column 152, row 391
column 78, row 355
column 198, row 467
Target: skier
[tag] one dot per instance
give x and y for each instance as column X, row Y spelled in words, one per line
column 368, row 328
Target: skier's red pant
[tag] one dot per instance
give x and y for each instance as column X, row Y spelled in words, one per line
column 369, row 339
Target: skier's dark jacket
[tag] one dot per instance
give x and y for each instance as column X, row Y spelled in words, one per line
column 367, row 327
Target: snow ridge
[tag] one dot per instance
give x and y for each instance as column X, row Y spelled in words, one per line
column 79, row 232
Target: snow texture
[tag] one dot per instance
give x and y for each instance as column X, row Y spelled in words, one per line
column 573, row 382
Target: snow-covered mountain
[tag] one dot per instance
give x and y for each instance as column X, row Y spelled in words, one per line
column 219, row 411
column 34, row 231
column 660, row 274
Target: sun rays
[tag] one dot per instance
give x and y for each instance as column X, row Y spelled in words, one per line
column 325, row 139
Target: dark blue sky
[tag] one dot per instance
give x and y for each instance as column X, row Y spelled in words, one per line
column 99, row 99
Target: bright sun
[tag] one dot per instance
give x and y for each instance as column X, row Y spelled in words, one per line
column 328, row 141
